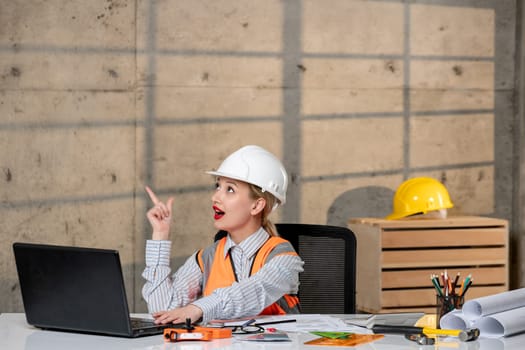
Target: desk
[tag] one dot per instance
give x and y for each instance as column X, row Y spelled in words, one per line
column 16, row 334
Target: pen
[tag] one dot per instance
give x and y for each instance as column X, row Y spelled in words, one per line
column 274, row 322
column 249, row 322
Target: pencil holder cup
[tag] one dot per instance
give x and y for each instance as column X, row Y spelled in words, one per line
column 447, row 303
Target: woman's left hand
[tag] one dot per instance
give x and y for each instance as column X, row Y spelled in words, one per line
column 178, row 315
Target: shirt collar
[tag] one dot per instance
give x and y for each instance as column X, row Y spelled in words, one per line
column 249, row 245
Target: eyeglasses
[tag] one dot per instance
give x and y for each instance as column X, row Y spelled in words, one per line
column 249, row 329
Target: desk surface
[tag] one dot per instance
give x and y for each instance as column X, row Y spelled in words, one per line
column 16, row 334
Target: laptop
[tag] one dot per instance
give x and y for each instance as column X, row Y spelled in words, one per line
column 77, row 289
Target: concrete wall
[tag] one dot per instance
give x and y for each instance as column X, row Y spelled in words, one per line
column 518, row 219
column 99, row 98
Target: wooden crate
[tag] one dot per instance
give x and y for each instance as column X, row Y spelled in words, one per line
column 395, row 259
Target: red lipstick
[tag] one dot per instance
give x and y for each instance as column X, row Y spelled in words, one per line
column 218, row 213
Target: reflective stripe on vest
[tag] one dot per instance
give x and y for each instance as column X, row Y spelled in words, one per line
column 219, row 272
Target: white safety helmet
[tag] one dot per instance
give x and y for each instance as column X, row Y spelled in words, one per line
column 257, row 166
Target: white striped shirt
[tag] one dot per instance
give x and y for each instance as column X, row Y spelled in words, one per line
column 247, row 297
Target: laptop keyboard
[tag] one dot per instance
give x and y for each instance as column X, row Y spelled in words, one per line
column 137, row 323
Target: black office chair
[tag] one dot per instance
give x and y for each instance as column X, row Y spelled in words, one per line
column 329, row 254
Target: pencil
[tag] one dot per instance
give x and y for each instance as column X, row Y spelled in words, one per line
column 455, row 282
column 465, row 283
column 435, row 282
column 274, row 322
column 466, row 287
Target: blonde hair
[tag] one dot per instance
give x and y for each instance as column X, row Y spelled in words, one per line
column 256, row 192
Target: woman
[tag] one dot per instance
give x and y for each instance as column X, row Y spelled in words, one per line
column 249, row 271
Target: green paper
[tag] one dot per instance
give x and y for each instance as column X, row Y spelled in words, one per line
column 333, row 335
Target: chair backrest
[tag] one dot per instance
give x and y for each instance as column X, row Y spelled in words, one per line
column 329, row 254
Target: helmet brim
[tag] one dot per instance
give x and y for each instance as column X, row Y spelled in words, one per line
column 280, row 201
column 231, row 176
column 395, row 216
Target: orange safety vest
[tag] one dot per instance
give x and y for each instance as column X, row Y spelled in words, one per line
column 219, row 271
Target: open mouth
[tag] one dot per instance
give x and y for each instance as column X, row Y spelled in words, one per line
column 218, row 213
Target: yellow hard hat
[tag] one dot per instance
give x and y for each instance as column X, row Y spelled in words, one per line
column 419, row 195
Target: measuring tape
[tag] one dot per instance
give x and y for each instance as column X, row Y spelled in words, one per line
column 196, row 333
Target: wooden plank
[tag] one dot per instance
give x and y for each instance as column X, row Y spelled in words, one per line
column 453, row 221
column 444, row 257
column 421, row 278
column 444, row 238
column 368, row 269
column 426, row 310
column 426, row 297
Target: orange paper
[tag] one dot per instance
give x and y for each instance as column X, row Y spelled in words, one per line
column 352, row 340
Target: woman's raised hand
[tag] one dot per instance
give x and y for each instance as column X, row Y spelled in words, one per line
column 159, row 216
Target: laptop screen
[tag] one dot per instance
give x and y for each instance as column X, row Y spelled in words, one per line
column 72, row 288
